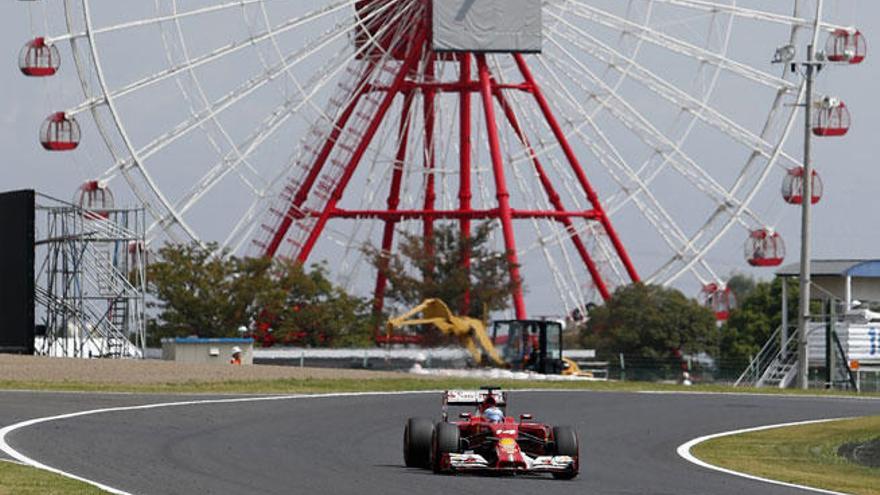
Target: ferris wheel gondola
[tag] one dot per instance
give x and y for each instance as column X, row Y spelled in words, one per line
column 625, row 148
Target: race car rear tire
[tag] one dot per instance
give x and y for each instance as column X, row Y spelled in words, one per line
column 417, row 437
column 566, row 441
column 447, row 440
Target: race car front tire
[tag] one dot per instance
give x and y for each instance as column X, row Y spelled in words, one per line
column 566, row 442
column 417, row 437
column 447, row 439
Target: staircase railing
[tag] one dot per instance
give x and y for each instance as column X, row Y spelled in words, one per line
column 761, row 361
column 782, row 371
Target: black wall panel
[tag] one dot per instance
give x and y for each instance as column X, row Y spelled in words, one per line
column 17, row 272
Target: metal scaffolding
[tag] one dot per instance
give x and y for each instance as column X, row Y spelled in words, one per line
column 91, row 282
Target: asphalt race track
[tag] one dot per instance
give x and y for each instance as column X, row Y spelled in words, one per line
column 352, row 445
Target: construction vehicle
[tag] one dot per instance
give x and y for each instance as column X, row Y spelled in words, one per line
column 531, row 345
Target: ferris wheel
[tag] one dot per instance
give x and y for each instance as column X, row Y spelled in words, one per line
column 618, row 141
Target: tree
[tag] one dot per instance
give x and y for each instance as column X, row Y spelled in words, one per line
column 434, row 269
column 753, row 322
column 654, row 324
column 197, row 293
column 741, row 285
column 200, row 294
column 307, row 309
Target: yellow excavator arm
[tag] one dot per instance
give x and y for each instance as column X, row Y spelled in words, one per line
column 470, row 332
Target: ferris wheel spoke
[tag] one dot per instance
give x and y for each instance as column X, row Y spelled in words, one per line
column 377, row 176
column 111, row 104
column 218, row 54
column 366, row 23
column 685, row 248
column 714, row 7
column 202, row 96
column 612, row 160
column 570, row 297
column 291, row 76
column 667, row 90
column 243, row 230
column 590, row 13
column 680, row 244
column 564, row 291
column 236, row 96
column 654, row 138
column 548, row 199
column 232, row 161
column 727, row 223
column 139, row 23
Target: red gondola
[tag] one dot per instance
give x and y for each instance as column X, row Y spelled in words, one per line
column 39, row 59
column 95, row 199
column 831, row 119
column 721, row 300
column 60, row 133
column 793, row 187
column 764, row 248
column 846, row 47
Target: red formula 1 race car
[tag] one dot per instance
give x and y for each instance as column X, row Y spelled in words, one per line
column 487, row 440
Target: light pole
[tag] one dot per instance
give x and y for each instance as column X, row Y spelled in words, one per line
column 811, row 67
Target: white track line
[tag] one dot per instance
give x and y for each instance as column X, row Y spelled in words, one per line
column 684, row 450
column 23, row 459
column 758, row 394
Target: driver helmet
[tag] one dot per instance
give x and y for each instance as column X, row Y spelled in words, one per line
column 488, row 402
column 493, row 415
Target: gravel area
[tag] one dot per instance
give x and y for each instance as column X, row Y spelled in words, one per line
column 149, row 372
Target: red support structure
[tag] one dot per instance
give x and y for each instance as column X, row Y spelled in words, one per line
column 555, row 200
column 464, row 188
column 501, row 193
column 430, row 191
column 576, row 167
column 393, row 204
column 399, row 215
column 314, row 172
column 410, row 62
column 410, row 79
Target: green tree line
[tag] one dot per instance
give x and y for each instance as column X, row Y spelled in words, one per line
column 195, row 292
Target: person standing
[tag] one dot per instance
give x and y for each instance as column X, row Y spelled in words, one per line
column 236, row 356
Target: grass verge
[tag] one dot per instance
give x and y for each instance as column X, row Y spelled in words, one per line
column 806, row 455
column 16, row 479
column 404, row 383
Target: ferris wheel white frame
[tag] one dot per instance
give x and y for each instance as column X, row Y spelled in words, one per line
column 564, row 35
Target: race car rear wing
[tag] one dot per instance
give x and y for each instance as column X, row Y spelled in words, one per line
column 473, row 398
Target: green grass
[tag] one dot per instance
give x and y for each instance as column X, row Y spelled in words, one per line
column 16, row 479
column 404, row 383
column 806, row 455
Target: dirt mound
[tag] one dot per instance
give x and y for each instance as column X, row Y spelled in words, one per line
column 151, row 372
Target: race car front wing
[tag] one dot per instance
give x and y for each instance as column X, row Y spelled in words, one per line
column 540, row 464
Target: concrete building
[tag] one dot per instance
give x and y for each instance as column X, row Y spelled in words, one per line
column 213, row 351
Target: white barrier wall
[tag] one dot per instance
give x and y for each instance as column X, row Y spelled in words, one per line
column 859, row 342
column 206, row 351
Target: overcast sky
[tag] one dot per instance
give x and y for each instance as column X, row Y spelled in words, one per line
column 845, row 221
